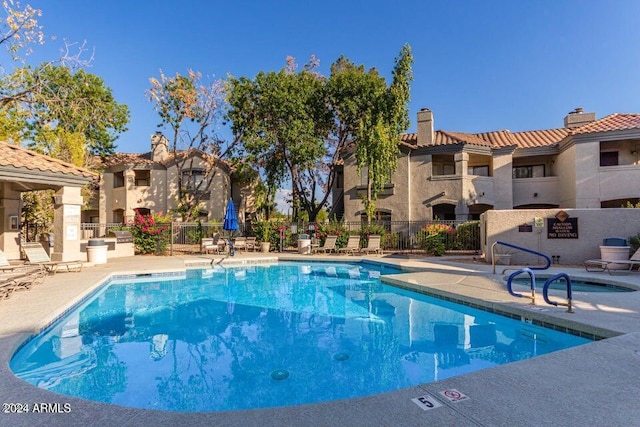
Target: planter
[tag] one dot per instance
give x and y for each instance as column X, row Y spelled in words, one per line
column 615, row 253
column 265, row 247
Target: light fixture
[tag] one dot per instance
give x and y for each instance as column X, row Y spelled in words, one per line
column 535, row 194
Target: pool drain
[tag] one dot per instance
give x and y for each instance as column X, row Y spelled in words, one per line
column 341, row 357
column 280, row 374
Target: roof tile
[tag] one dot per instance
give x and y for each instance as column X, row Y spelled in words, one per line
column 18, row 157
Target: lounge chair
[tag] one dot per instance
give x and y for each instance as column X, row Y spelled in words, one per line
column 613, row 266
column 213, row 244
column 329, row 245
column 36, row 254
column 240, row 243
column 5, row 265
column 20, row 278
column 373, row 245
column 353, row 245
column 252, row 244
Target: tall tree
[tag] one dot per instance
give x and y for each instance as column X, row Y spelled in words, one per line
column 296, row 124
column 191, row 111
column 380, row 130
column 67, row 114
column 282, row 121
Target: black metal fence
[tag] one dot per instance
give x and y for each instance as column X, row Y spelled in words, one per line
column 433, row 237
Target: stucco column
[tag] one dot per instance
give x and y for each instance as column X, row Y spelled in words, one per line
column 10, row 214
column 66, row 225
column 462, row 165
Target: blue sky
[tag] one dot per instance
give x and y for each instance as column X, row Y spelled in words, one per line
column 479, row 65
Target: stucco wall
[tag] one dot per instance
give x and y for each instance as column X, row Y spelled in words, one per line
column 593, row 226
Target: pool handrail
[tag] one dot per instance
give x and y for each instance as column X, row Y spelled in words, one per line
column 545, row 291
column 532, row 276
column 498, row 242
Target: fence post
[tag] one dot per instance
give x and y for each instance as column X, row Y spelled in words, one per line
column 171, row 240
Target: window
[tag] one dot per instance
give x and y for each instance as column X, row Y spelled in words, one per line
column 192, row 179
column 339, row 179
column 378, row 216
column 142, row 211
column 118, row 179
column 478, row 170
column 533, row 171
column 609, row 158
column 118, row 216
column 444, row 169
column 142, row 178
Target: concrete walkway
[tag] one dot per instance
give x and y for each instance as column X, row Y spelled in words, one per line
column 597, row 384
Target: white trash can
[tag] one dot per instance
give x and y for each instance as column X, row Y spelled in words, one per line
column 97, row 251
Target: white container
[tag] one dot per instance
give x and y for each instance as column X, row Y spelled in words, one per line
column 304, row 246
column 97, row 254
column 615, row 253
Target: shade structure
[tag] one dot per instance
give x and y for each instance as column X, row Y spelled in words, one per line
column 230, row 219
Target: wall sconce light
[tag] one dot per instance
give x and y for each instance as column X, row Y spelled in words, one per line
column 444, row 193
column 633, row 151
column 535, row 194
column 481, row 194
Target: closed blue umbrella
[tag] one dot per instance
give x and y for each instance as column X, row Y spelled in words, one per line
column 230, row 224
column 230, row 219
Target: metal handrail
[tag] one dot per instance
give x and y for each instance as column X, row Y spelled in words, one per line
column 493, row 258
column 532, row 276
column 545, row 291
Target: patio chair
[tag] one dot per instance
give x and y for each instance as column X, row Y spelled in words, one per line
column 36, row 254
column 20, row 278
column 613, row 266
column 252, row 244
column 213, row 244
column 373, row 245
column 5, row 265
column 329, row 245
column 240, row 243
column 353, row 245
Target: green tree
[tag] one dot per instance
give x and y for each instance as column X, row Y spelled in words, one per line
column 282, row 121
column 67, row 114
column 380, row 130
column 191, row 110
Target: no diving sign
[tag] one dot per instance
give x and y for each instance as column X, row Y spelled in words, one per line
column 453, row 395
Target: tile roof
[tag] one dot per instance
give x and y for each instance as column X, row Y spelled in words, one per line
column 18, row 157
column 612, row 122
column 135, row 158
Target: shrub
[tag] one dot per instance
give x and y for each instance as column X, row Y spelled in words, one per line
column 333, row 229
column 432, row 238
column 150, row 233
column 634, row 242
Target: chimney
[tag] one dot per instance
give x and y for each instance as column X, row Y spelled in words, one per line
column 159, row 147
column 577, row 118
column 425, row 127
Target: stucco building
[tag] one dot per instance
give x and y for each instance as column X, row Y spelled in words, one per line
column 148, row 183
column 587, row 163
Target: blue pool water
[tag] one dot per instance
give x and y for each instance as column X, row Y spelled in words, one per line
column 267, row 336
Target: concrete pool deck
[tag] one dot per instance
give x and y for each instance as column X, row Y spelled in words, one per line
column 597, row 384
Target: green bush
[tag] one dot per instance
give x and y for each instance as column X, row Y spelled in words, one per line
column 468, row 235
column 150, row 233
column 634, row 242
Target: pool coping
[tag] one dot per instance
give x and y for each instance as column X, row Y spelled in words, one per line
column 494, row 405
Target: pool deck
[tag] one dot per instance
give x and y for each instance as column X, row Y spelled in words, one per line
column 597, row 384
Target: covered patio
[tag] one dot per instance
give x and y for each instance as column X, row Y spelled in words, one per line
column 23, row 170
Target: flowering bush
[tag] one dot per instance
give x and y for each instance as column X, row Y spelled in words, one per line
column 334, row 229
column 432, row 238
column 150, row 233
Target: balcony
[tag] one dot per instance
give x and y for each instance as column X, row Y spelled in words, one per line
column 533, row 191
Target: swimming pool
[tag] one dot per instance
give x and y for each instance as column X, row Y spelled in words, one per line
column 267, row 336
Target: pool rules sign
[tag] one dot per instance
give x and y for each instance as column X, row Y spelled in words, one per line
column 562, row 227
